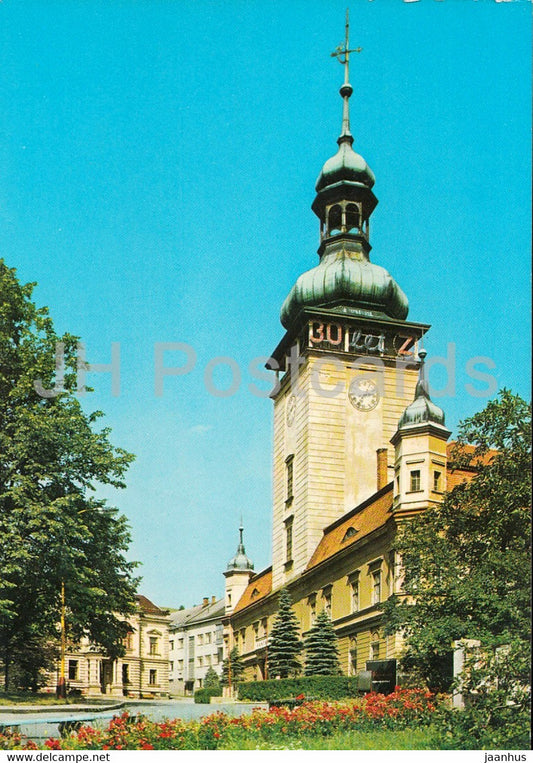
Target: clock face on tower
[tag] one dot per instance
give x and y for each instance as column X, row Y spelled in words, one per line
column 291, row 410
column 364, row 394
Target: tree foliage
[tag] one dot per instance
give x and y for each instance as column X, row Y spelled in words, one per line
column 53, row 527
column 321, row 648
column 466, row 563
column 284, row 644
column 212, row 682
column 232, row 668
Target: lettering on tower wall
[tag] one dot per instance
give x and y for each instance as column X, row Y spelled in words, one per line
column 344, row 338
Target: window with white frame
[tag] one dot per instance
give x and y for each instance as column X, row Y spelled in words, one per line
column 353, row 580
column 415, row 481
column 376, row 586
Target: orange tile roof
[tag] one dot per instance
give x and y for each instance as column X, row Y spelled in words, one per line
column 374, row 512
column 148, row 607
column 484, row 459
column 258, row 588
column 355, row 525
column 369, row 516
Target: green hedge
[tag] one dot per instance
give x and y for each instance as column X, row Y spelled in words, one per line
column 312, row 687
column 202, row 696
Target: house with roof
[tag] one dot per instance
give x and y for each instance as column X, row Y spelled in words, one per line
column 142, row 672
column 195, row 645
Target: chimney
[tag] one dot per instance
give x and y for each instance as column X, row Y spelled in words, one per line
column 382, row 467
column 213, row 599
column 205, row 601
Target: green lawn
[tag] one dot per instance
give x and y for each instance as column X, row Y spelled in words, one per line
column 29, row 698
column 408, row 739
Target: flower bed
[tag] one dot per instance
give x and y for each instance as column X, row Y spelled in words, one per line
column 401, row 709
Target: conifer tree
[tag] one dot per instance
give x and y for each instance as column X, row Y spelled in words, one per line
column 232, row 668
column 284, row 644
column 212, row 682
column 321, row 649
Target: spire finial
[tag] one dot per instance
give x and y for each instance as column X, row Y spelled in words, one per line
column 342, row 54
column 422, row 389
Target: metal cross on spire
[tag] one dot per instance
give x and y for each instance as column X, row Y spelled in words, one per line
column 342, row 52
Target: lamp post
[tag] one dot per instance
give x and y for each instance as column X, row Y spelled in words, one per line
column 61, row 684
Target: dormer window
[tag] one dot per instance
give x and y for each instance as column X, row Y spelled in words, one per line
column 351, row 532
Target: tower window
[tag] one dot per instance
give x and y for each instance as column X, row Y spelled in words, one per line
column 288, row 539
column 289, row 464
column 415, row 481
column 352, row 218
column 335, row 219
column 437, row 482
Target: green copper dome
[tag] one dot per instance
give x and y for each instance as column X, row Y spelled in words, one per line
column 345, row 279
column 345, row 166
column 422, row 410
column 240, row 561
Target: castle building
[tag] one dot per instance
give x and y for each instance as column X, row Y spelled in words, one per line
column 359, row 446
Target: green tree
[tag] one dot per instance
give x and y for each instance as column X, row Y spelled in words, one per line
column 53, row 527
column 284, row 644
column 466, row 563
column 232, row 668
column 212, row 682
column 321, row 648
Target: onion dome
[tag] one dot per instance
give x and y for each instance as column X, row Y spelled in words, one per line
column 346, row 281
column 240, row 562
column 346, row 165
column 422, row 410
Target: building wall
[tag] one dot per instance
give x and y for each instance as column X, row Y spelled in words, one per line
column 332, row 447
column 194, row 647
column 330, row 587
column 141, row 672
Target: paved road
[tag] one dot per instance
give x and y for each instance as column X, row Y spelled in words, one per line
column 42, row 725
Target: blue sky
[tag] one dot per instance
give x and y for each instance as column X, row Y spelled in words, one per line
column 157, row 166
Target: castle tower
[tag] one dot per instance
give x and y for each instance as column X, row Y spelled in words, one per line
column 238, row 573
column 420, row 453
column 346, row 365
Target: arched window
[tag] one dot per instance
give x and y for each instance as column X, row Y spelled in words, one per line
column 352, row 218
column 334, row 220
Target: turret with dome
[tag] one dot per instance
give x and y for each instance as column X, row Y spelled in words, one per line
column 345, row 280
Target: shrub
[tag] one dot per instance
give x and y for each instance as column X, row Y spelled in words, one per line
column 212, row 683
column 317, row 687
column 202, row 696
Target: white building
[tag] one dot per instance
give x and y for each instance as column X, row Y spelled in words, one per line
column 195, row 645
